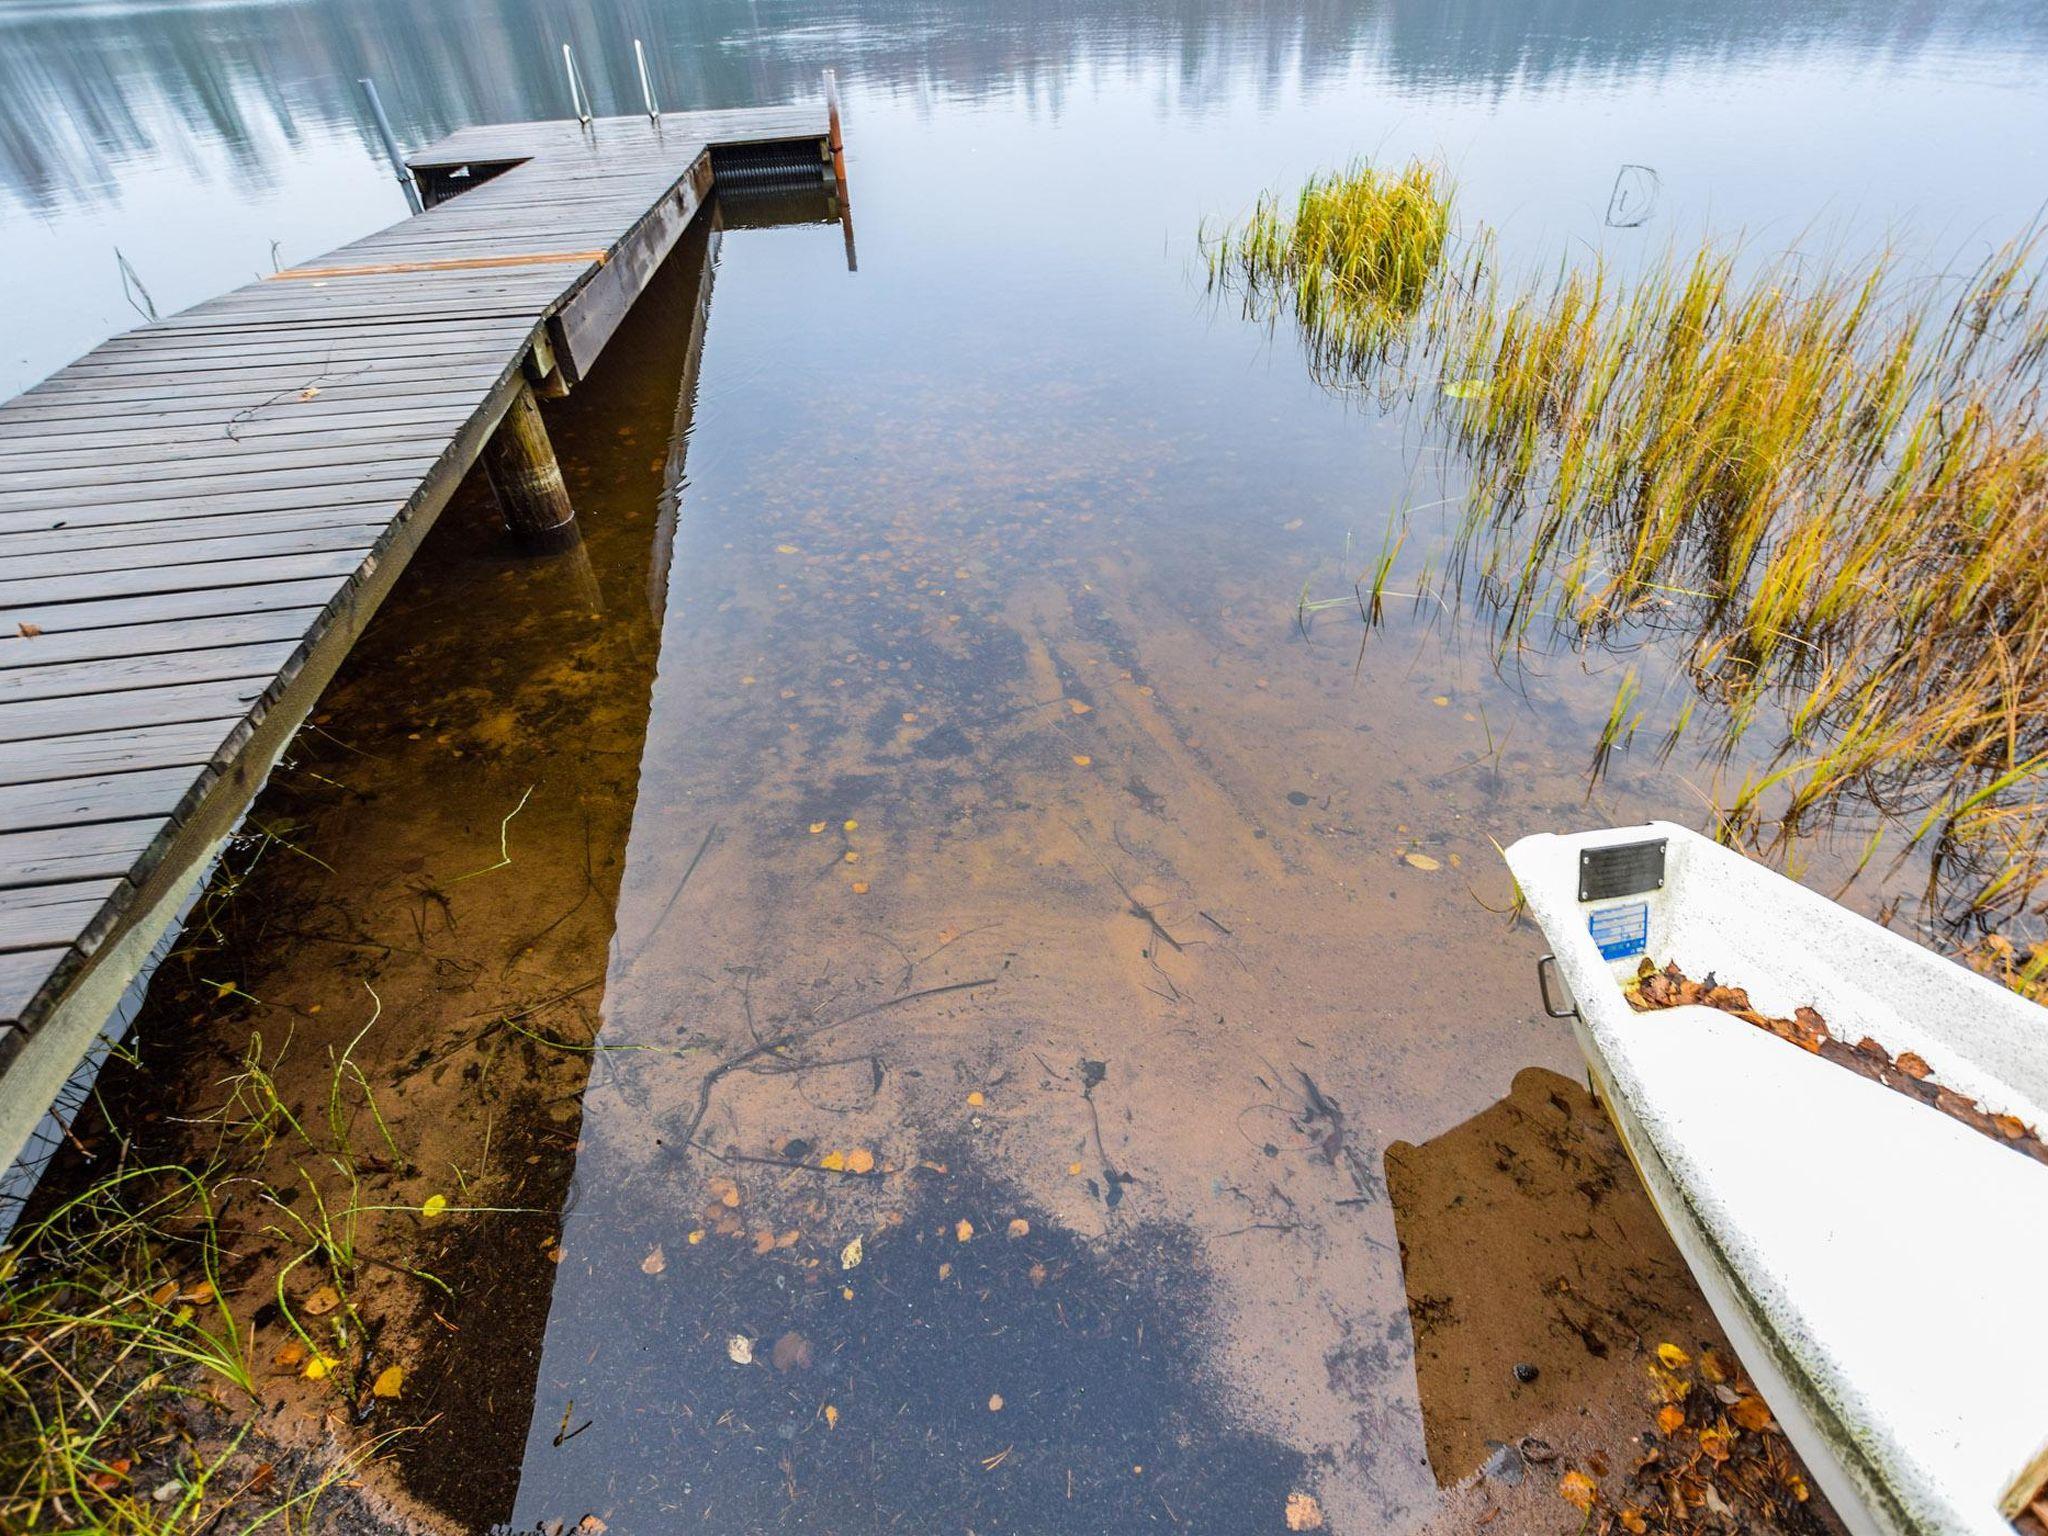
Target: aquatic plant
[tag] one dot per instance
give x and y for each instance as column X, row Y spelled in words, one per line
column 1353, row 261
column 1825, row 486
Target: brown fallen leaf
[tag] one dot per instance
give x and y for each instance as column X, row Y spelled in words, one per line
column 1913, row 1065
column 28, row 631
column 1752, row 1413
column 860, row 1160
column 655, row 1262
column 1019, row 1227
column 323, row 1301
column 792, row 1352
column 1670, row 1419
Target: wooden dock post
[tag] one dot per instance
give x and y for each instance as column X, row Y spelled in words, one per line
column 528, row 480
column 833, row 139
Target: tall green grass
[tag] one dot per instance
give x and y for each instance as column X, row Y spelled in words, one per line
column 1826, row 483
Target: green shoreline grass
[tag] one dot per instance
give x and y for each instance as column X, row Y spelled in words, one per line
column 1827, row 485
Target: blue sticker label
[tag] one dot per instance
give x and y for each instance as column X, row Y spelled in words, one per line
column 1621, row 931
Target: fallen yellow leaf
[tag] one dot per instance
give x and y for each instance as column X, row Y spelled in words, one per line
column 1577, row 1490
column 1304, row 1513
column 977, row 1098
column 1421, row 861
column 851, row 1255
column 817, row 826
column 964, row 1231
column 851, row 825
column 1670, row 1419
column 1673, row 1357
column 785, row 549
column 319, row 1366
column 1019, row 1227
column 831, row 1417
column 433, row 1206
column 1079, row 708
column 323, row 1301
column 836, row 1161
column 697, row 1236
column 1083, row 760
column 390, row 1381
column 860, row 1160
column 860, row 887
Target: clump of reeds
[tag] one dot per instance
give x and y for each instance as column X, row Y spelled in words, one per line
column 1830, row 485
column 1353, row 260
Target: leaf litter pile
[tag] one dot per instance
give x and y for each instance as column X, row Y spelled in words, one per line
column 1906, row 1073
column 1717, row 1462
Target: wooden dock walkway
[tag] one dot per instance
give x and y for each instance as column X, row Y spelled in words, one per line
column 198, row 517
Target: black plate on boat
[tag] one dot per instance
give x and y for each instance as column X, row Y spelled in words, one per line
column 1622, row 869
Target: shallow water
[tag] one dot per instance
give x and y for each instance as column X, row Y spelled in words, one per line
column 927, row 765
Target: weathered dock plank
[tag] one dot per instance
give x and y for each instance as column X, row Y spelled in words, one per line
column 198, row 518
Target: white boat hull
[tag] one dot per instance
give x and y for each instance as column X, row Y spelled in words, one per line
column 1881, row 1268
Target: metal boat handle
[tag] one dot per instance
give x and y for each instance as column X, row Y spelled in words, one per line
column 1543, row 969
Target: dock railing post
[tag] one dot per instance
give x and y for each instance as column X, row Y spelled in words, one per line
column 646, row 85
column 835, row 139
column 527, row 478
column 391, row 150
column 579, row 99
column 836, row 142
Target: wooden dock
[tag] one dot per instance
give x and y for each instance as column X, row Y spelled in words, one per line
column 198, row 518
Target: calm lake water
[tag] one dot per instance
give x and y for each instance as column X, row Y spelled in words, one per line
column 928, row 766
